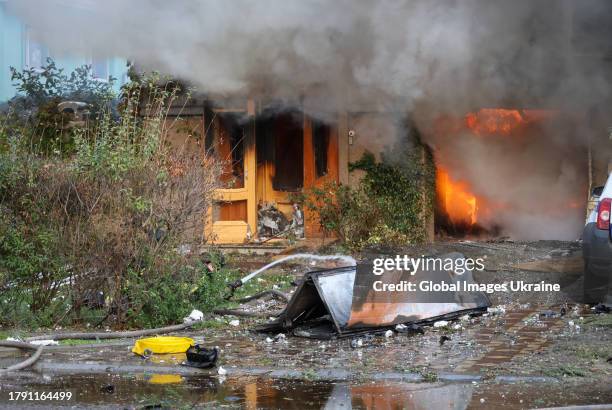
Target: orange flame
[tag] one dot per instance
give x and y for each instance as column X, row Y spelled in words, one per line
column 460, row 204
column 455, row 196
column 495, row 121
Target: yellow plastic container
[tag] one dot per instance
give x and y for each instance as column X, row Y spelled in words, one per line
column 162, row 345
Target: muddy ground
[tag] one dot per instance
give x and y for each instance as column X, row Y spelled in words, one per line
column 523, row 354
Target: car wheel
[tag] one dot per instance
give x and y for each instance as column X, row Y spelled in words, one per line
column 594, row 286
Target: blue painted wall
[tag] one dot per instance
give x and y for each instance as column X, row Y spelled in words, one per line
column 17, row 48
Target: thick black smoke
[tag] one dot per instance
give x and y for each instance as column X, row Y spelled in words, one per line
column 421, row 57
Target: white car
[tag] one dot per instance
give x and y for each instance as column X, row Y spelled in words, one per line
column 597, row 247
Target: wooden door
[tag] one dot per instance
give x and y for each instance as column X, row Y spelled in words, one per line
column 232, row 218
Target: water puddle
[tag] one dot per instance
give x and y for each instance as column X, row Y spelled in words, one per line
column 174, row 391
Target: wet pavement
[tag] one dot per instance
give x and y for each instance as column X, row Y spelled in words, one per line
column 522, row 354
column 485, row 344
column 168, row 391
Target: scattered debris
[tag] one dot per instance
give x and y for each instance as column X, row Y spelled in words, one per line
column 108, row 388
column 201, row 357
column 272, row 293
column 270, row 221
column 221, row 371
column 297, row 221
column 499, row 310
column 389, row 333
column 533, row 320
column 234, row 322
column 443, row 339
column 342, row 301
column 195, row 315
column 601, row 308
column 356, row 343
column 242, row 313
column 279, row 338
column 44, row 342
column 184, row 249
column 411, row 329
column 440, row 323
column 548, row 314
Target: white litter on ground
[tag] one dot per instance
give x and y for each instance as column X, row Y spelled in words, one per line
column 234, row 322
column 440, row 323
column 499, row 310
column 44, row 342
column 195, row 315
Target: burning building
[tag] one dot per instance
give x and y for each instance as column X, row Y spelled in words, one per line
column 489, row 194
column 270, row 154
column 512, row 97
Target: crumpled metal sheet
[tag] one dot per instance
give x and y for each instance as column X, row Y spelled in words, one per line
column 346, row 297
column 336, row 291
column 374, row 309
column 321, row 293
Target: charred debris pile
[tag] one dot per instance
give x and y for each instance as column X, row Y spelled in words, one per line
column 342, row 301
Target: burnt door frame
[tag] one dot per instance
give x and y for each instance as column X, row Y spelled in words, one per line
column 230, row 231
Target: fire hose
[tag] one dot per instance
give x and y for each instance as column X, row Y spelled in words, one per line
column 22, row 346
column 168, row 329
column 139, row 333
column 350, row 261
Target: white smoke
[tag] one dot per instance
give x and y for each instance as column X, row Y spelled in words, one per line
column 412, row 56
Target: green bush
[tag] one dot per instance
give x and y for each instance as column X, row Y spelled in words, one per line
column 168, row 295
column 391, row 204
column 110, row 217
column 29, row 254
column 31, row 260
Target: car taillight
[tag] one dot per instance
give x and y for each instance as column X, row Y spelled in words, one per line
column 603, row 214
